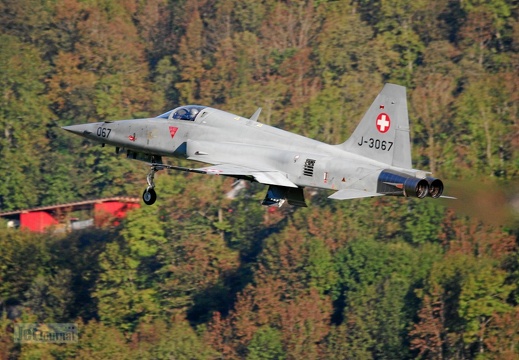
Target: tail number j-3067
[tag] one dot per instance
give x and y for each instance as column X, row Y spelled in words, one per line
column 376, row 144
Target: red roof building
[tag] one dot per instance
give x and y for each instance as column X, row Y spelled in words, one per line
column 72, row 216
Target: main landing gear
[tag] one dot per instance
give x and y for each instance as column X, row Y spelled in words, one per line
column 150, row 196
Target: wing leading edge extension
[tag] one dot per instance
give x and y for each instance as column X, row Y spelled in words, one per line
column 264, row 177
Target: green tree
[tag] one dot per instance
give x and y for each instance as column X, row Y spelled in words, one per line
column 422, row 223
column 50, row 297
column 266, row 345
column 432, row 102
column 99, row 341
column 483, row 296
column 23, row 256
column 286, row 257
column 122, row 294
column 24, row 117
column 376, row 300
column 99, row 73
column 485, row 112
column 7, row 345
column 482, row 31
column 344, row 51
column 160, row 340
column 398, row 39
column 189, row 56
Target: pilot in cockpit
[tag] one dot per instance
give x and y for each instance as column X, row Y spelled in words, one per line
column 194, row 113
column 182, row 114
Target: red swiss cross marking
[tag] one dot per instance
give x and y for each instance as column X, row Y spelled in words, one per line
column 383, row 122
column 173, row 131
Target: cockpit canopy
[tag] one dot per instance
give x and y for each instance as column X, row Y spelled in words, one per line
column 188, row 112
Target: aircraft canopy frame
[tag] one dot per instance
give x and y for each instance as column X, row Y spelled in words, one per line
column 188, row 112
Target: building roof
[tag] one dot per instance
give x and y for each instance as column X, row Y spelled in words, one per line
column 79, row 205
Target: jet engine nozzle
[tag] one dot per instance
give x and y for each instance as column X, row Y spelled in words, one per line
column 395, row 183
column 416, row 187
column 435, row 187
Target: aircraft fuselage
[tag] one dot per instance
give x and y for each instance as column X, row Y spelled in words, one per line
column 374, row 161
column 217, row 136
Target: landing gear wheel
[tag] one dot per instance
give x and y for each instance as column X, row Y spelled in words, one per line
column 149, row 196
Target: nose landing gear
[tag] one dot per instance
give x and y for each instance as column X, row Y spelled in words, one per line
column 150, row 196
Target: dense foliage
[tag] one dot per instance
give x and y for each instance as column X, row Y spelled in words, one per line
column 202, row 276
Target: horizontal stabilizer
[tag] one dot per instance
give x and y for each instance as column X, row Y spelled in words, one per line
column 352, row 194
column 448, row 197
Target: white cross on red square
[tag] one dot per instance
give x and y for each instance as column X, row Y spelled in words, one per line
column 383, row 122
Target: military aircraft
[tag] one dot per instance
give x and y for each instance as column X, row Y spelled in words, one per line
column 374, row 161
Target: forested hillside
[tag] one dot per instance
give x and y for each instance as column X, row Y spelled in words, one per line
column 202, row 276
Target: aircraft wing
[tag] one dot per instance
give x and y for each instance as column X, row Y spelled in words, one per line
column 268, row 177
column 347, row 194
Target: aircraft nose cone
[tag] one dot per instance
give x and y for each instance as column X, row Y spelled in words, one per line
column 81, row 129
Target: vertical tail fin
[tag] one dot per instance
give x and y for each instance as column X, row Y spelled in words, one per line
column 383, row 133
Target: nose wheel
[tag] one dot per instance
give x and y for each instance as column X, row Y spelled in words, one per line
column 150, row 196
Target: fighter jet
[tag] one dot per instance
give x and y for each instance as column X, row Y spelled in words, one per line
column 374, row 161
